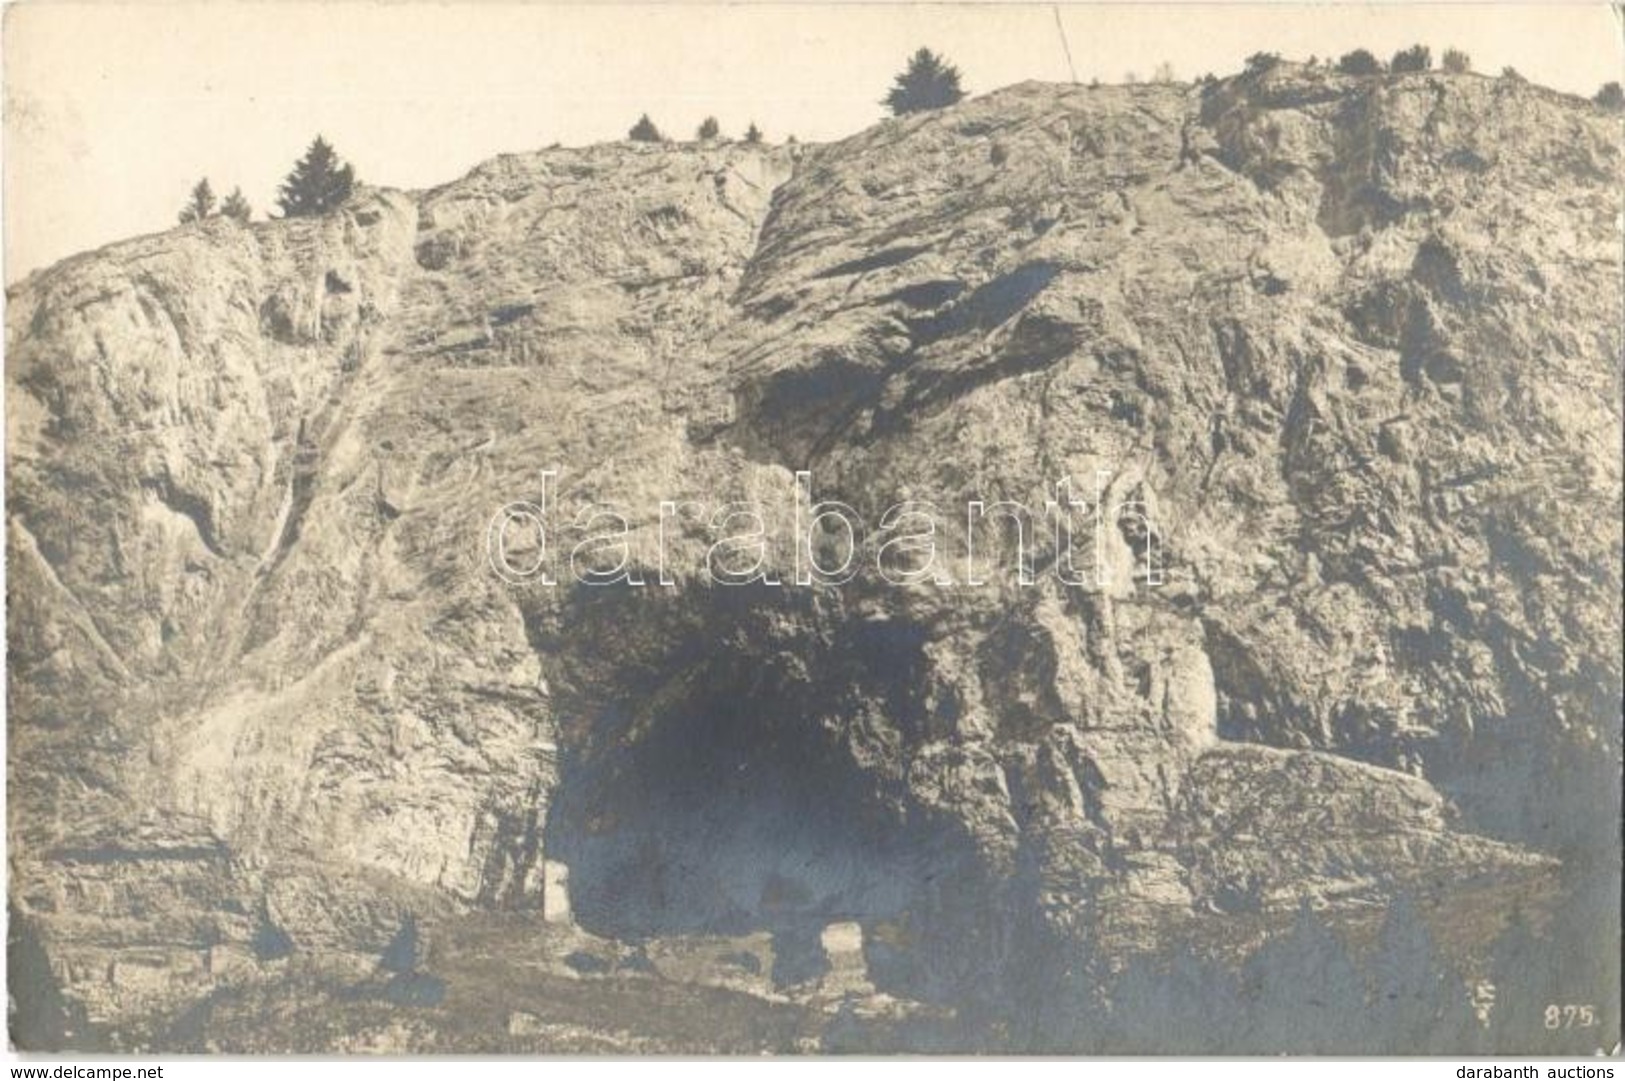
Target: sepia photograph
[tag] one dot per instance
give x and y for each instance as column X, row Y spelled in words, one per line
column 812, row 529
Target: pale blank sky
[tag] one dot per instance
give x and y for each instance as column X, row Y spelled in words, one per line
column 113, row 110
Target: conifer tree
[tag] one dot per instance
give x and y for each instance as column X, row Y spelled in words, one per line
column 644, row 131
column 930, row 82
column 236, row 207
column 319, row 183
column 201, row 203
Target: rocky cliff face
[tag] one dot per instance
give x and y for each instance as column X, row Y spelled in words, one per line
column 1345, row 354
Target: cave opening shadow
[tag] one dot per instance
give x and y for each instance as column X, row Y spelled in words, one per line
column 720, row 791
column 733, row 813
column 737, row 760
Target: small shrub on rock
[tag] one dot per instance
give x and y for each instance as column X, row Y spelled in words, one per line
column 1416, row 58
column 1258, row 63
column 1359, row 62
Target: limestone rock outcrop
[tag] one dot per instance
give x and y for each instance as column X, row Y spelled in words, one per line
column 1340, row 357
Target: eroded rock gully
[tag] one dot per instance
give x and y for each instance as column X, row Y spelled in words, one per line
column 1353, row 346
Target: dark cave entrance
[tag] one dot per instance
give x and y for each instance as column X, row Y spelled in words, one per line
column 729, row 764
